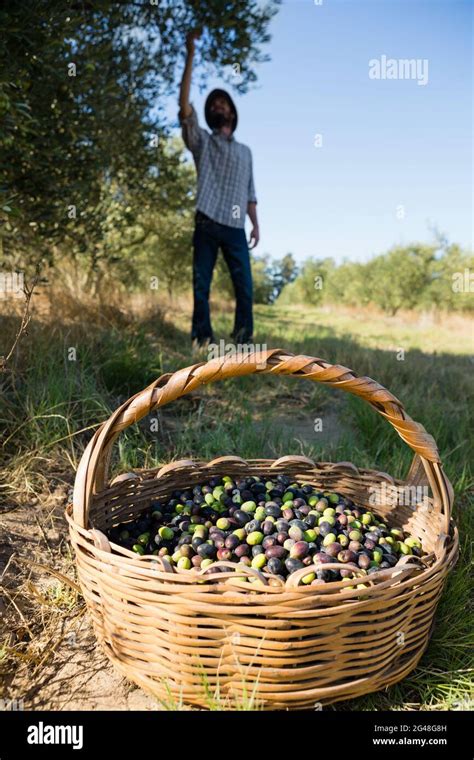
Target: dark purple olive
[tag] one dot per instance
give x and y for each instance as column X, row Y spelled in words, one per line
column 347, row 555
column 275, row 566
column 342, row 520
column 310, row 521
column 299, row 550
column 322, row 575
column 206, row 551
column 333, row 549
column 224, row 554
column 196, row 560
column 257, row 549
column 288, row 513
column 281, row 537
column 324, row 528
column 345, row 573
column 253, row 525
column 243, row 550
column 293, row 564
column 269, row 541
column 272, row 509
column 231, row 542
column 275, row 551
column 268, row 528
column 322, row 557
column 355, row 546
column 242, row 517
column 364, row 561
column 282, row 526
column 369, row 545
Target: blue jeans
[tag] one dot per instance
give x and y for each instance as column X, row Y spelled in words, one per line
column 208, row 237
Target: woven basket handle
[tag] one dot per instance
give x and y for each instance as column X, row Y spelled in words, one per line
column 92, row 473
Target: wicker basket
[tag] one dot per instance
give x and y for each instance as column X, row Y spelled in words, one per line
column 188, row 632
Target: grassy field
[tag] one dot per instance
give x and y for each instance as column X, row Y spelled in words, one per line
column 54, row 396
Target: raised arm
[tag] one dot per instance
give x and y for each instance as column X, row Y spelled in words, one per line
column 184, row 105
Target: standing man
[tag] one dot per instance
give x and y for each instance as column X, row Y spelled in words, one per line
column 225, row 194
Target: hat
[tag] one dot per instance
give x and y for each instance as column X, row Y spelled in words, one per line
column 223, row 94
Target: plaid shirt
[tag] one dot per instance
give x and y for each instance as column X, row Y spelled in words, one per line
column 224, row 169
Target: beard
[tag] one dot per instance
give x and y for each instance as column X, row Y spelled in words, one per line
column 219, row 120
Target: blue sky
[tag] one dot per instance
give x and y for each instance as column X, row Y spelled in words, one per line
column 386, row 144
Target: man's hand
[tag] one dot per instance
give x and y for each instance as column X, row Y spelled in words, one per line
column 184, row 105
column 254, row 237
column 191, row 36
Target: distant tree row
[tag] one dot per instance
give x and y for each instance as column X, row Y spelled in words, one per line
column 415, row 276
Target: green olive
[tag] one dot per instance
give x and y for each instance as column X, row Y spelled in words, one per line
column 378, row 555
column 343, row 540
column 248, row 506
column 209, row 499
column 397, row 533
column 334, row 498
column 138, row 549
column 260, row 513
column 240, row 533
column 329, row 512
column 165, row 533
column 309, row 578
column 355, row 535
column 331, row 520
column 207, row 562
column 287, row 496
column 259, row 561
column 366, row 518
column 143, row 538
column 124, row 534
column 223, row 523
column 404, row 548
column 254, row 538
column 310, row 535
column 184, row 563
column 329, row 539
column 411, row 541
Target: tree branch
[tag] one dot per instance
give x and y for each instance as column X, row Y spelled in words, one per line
column 25, row 320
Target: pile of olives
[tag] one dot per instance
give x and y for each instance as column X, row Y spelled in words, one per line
column 276, row 526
